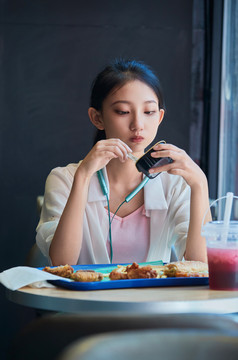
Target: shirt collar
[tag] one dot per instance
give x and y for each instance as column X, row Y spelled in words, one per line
column 95, row 192
column 154, row 195
column 153, row 192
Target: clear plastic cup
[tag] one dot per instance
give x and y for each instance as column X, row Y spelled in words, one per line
column 222, row 243
column 222, row 252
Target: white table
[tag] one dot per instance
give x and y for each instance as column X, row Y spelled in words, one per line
column 158, row 300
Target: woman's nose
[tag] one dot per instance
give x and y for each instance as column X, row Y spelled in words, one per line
column 136, row 122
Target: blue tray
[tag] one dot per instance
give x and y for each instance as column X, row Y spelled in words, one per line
column 108, row 284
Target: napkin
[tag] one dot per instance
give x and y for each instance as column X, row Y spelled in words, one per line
column 20, row 276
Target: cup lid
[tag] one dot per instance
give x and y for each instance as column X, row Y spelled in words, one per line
column 215, row 228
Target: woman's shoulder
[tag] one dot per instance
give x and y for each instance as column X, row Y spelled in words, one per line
column 67, row 171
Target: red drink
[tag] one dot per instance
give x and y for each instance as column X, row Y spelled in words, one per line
column 223, row 268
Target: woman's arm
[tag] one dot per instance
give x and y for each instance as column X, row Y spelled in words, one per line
column 184, row 166
column 67, row 241
column 196, row 244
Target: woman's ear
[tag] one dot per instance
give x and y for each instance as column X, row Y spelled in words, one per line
column 161, row 115
column 96, row 118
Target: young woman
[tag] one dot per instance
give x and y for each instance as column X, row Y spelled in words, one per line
column 127, row 108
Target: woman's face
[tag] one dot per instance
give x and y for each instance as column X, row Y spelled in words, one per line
column 131, row 113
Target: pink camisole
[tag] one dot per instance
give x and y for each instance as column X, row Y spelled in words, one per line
column 130, row 237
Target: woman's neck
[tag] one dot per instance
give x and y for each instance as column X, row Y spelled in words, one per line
column 124, row 173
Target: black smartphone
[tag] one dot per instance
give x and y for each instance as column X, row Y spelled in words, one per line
column 146, row 162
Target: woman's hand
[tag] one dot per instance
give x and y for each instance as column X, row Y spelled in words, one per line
column 182, row 164
column 102, row 152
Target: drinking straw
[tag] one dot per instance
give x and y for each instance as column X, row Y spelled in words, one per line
column 227, row 215
column 228, row 207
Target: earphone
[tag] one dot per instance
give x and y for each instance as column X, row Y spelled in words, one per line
column 128, row 198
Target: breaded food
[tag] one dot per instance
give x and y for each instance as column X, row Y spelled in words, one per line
column 67, row 271
column 86, row 276
column 118, row 274
column 174, row 269
column 135, row 271
column 63, row 270
column 186, row 269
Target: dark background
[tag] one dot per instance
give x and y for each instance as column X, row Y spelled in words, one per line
column 50, row 51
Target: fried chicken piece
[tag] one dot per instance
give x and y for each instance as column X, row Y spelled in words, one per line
column 117, row 274
column 186, row 269
column 134, row 271
column 86, row 276
column 62, row 270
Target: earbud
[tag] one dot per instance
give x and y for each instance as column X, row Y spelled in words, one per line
column 102, row 182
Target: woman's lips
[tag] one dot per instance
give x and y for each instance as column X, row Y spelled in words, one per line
column 136, row 139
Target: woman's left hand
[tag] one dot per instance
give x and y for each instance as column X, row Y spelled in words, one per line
column 182, row 164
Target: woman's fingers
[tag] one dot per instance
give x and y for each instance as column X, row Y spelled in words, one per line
column 166, row 146
column 102, row 152
column 115, row 146
column 182, row 164
column 167, row 150
column 161, row 168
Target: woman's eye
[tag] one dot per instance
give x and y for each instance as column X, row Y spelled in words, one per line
column 120, row 112
column 149, row 112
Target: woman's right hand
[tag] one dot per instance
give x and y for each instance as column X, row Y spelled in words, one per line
column 67, row 241
column 101, row 153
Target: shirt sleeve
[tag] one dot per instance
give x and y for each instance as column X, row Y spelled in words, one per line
column 180, row 216
column 57, row 189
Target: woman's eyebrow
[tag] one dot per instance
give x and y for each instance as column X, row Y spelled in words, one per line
column 128, row 102
column 120, row 102
column 151, row 101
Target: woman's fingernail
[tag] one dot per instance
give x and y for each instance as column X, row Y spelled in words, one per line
column 158, row 145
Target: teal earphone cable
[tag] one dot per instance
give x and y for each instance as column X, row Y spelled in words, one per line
column 117, row 210
column 132, row 194
column 110, row 228
column 105, row 192
column 127, row 199
column 137, row 189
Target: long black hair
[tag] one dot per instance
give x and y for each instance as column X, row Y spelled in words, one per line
column 117, row 74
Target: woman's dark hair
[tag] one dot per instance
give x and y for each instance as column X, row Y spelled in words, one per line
column 117, row 74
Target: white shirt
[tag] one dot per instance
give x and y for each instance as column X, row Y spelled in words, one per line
column 166, row 201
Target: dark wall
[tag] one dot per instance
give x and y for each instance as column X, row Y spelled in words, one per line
column 50, row 52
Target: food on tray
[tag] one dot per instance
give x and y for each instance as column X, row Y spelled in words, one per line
column 67, row 271
column 86, row 276
column 174, row 269
column 186, row 269
column 133, row 271
column 118, row 274
column 62, row 270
